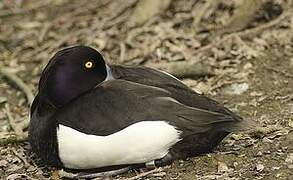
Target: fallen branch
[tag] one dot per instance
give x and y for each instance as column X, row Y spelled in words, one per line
column 20, row 84
column 247, row 32
column 184, row 69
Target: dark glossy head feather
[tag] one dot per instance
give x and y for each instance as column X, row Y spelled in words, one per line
column 70, row 73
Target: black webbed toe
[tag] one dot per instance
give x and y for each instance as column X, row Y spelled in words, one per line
column 166, row 160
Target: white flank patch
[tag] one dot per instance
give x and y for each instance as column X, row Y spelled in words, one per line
column 139, row 143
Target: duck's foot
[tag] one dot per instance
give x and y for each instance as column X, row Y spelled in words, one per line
column 85, row 175
column 150, row 165
column 166, row 160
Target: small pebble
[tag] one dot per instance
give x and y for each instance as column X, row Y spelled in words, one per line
column 290, row 123
column 254, row 93
column 160, row 174
column 260, row 167
column 235, row 164
column 3, row 99
column 259, row 153
column 289, row 158
column 236, row 89
column 267, row 152
column 275, row 168
column 222, row 167
column 3, row 163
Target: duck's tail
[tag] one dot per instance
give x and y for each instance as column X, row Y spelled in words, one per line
column 237, row 125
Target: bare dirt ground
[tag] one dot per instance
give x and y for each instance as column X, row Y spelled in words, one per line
column 244, row 63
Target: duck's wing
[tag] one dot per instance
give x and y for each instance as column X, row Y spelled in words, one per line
column 116, row 104
column 177, row 89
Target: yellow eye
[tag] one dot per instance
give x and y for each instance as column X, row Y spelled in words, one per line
column 88, row 64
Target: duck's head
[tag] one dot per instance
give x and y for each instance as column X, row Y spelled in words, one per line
column 70, row 73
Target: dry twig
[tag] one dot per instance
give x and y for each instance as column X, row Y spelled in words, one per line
column 38, row 5
column 122, row 52
column 282, row 72
column 10, row 138
column 18, row 176
column 20, row 84
column 44, row 31
column 20, row 156
column 199, row 12
column 146, row 9
column 247, row 32
column 242, row 16
column 17, row 129
column 144, row 174
column 97, row 176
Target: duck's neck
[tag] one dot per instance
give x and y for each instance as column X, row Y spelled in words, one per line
column 42, row 132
